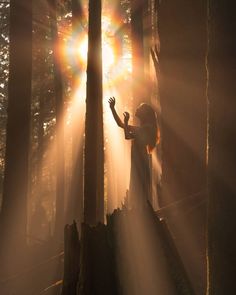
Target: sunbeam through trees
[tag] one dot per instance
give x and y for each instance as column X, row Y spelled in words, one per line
column 117, row 147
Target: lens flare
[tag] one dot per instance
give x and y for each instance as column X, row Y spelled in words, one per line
column 82, row 50
column 116, row 63
column 108, row 56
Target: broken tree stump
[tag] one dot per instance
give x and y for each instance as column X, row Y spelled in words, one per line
column 71, row 259
column 132, row 254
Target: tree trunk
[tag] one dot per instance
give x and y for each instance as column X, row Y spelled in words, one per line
column 222, row 145
column 150, row 36
column 40, row 38
column 94, row 157
column 183, row 104
column 77, row 12
column 75, row 202
column 137, row 7
column 41, row 144
column 71, row 259
column 58, row 88
column 14, row 206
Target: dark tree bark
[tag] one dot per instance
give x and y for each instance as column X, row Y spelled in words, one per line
column 109, row 263
column 222, row 146
column 94, row 157
column 75, row 202
column 77, row 12
column 183, row 104
column 137, row 11
column 14, row 206
column 149, row 31
column 71, row 260
column 58, row 88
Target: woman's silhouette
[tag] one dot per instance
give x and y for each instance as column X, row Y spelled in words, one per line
column 144, row 138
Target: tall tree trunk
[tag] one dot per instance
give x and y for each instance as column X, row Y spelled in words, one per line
column 137, row 7
column 41, row 144
column 150, row 36
column 14, row 206
column 222, row 146
column 183, row 104
column 77, row 12
column 94, row 157
column 40, row 37
column 75, row 201
column 58, row 88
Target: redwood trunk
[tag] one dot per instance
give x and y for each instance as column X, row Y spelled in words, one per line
column 222, row 146
column 14, row 206
column 182, row 27
column 137, row 11
column 94, row 158
column 75, row 202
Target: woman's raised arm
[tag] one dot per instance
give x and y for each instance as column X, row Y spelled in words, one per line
column 112, row 102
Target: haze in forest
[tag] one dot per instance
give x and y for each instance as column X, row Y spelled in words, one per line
column 68, row 222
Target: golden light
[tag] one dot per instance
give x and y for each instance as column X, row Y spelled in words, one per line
column 116, row 64
column 83, row 50
column 108, row 57
column 107, row 53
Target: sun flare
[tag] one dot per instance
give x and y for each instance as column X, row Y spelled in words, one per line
column 107, row 53
column 116, row 81
column 83, row 50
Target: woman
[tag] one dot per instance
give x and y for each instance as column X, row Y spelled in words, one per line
column 144, row 138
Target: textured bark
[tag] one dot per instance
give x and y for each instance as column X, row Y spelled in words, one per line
column 14, row 206
column 222, row 146
column 94, row 157
column 58, row 90
column 71, row 260
column 182, row 28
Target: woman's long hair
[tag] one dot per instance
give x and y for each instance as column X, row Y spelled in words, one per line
column 148, row 117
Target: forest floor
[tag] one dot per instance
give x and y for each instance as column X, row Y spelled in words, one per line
column 40, row 267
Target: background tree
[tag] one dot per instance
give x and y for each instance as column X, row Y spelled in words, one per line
column 221, row 63
column 182, row 29
column 150, row 39
column 42, row 124
column 183, row 104
column 14, row 206
column 137, row 37
column 59, row 99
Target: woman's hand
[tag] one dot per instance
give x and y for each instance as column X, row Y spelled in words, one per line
column 126, row 118
column 112, row 102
